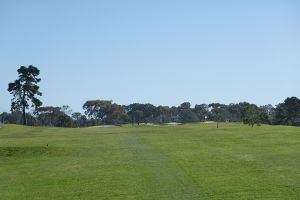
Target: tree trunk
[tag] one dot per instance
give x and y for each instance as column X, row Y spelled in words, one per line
column 217, row 124
column 24, row 115
column 132, row 121
column 24, row 109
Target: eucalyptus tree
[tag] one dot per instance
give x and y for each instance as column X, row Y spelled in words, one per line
column 97, row 109
column 25, row 90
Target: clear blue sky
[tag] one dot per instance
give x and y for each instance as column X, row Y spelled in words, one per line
column 162, row 52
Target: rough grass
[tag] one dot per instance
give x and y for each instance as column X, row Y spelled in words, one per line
column 182, row 162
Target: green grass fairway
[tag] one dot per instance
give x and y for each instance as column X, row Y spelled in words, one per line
column 196, row 161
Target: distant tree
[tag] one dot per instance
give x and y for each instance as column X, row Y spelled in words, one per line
column 288, row 111
column 3, row 117
column 11, row 118
column 164, row 114
column 175, row 114
column 114, row 114
column 149, row 112
column 106, row 112
column 25, row 90
column 48, row 115
column 174, row 110
column 217, row 112
column 83, row 121
column 97, row 109
column 138, row 112
column 252, row 115
column 184, row 106
column 292, row 106
column 268, row 109
column 31, row 119
column 234, row 112
column 124, row 118
column 201, row 111
column 77, row 118
column 138, row 116
column 64, row 120
column 53, row 116
column 281, row 115
column 186, row 114
column 67, row 110
column 267, row 113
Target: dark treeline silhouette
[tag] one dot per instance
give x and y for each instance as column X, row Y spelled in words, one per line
column 25, row 93
column 105, row 112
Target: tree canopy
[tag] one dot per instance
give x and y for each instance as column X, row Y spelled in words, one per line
column 98, row 112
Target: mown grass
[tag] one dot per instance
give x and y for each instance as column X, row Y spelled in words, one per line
column 196, row 161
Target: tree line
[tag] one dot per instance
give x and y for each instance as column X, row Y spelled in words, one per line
column 25, row 91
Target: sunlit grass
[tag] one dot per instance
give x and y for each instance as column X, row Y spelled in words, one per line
column 196, row 161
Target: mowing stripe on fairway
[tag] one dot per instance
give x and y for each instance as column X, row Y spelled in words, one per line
column 159, row 175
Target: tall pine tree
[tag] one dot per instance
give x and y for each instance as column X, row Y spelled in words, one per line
column 25, row 90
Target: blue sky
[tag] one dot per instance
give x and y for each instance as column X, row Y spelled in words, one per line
column 162, row 52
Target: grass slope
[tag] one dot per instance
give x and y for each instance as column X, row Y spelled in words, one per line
column 184, row 162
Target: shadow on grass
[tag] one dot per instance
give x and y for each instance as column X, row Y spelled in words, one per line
column 35, row 151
